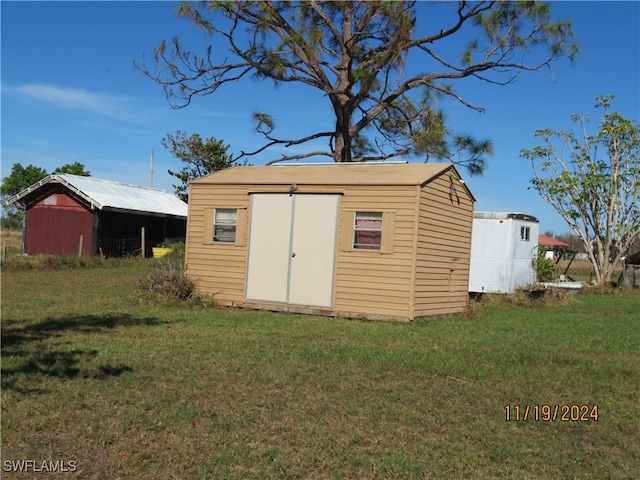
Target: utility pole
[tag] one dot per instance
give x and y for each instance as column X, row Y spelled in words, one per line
column 151, row 170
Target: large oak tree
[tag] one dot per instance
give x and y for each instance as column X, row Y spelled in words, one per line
column 382, row 66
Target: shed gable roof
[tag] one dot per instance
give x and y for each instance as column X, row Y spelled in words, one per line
column 108, row 195
column 330, row 174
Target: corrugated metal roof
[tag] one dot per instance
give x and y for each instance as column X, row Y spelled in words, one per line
column 329, row 174
column 105, row 194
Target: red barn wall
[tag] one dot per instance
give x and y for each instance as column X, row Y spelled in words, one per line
column 54, row 225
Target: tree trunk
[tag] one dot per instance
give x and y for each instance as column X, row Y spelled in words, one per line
column 343, row 140
column 343, row 147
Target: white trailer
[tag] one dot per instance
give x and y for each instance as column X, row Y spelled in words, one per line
column 503, row 248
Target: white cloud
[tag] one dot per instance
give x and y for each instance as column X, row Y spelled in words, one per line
column 80, row 99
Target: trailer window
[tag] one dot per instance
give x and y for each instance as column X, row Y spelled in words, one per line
column 524, row 233
column 367, row 231
column 225, row 221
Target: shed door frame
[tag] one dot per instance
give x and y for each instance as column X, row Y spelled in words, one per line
column 292, row 248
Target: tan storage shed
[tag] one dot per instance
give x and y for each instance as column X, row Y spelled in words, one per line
column 379, row 241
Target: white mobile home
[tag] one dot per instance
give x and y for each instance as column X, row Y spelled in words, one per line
column 503, row 247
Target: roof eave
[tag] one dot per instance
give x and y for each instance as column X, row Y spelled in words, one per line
column 144, row 213
column 464, row 185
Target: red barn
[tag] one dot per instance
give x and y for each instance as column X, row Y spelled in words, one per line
column 71, row 215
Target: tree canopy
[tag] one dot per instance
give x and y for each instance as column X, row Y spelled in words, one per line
column 75, row 168
column 593, row 182
column 200, row 158
column 20, row 178
column 382, row 68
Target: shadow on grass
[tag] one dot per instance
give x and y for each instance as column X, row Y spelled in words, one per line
column 26, row 354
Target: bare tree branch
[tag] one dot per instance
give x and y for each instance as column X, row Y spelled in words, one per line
column 357, row 55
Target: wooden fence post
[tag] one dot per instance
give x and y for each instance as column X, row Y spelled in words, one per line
column 80, row 245
column 143, row 243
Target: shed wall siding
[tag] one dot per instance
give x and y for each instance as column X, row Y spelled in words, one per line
column 365, row 281
column 443, row 249
column 374, row 282
column 218, row 269
column 422, row 268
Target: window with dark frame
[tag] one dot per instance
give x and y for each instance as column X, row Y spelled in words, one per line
column 225, row 221
column 367, row 231
column 524, row 233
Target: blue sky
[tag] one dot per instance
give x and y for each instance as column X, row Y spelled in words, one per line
column 70, row 93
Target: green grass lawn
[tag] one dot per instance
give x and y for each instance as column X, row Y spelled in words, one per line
column 128, row 387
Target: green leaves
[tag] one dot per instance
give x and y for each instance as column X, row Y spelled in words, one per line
column 362, row 58
column 264, row 123
column 593, row 182
column 75, row 168
column 200, row 158
column 21, row 178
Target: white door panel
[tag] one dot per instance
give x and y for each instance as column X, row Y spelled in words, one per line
column 292, row 248
column 269, row 247
column 314, row 243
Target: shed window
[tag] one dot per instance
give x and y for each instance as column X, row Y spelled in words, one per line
column 524, row 233
column 224, row 225
column 367, row 232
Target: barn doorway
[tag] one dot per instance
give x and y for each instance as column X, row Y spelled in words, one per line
column 292, row 248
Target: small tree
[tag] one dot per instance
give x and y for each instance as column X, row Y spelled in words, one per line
column 200, row 158
column 593, row 182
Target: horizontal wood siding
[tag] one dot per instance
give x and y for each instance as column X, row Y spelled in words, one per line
column 218, row 269
column 443, row 248
column 377, row 283
column 397, row 282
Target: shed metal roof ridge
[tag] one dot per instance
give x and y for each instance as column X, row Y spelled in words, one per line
column 313, row 164
column 77, row 191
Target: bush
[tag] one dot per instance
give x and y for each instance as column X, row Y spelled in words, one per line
column 546, row 269
column 168, row 279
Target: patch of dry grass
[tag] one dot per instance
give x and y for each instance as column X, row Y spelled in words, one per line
column 12, row 240
column 582, row 270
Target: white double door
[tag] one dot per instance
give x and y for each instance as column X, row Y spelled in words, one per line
column 292, row 248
